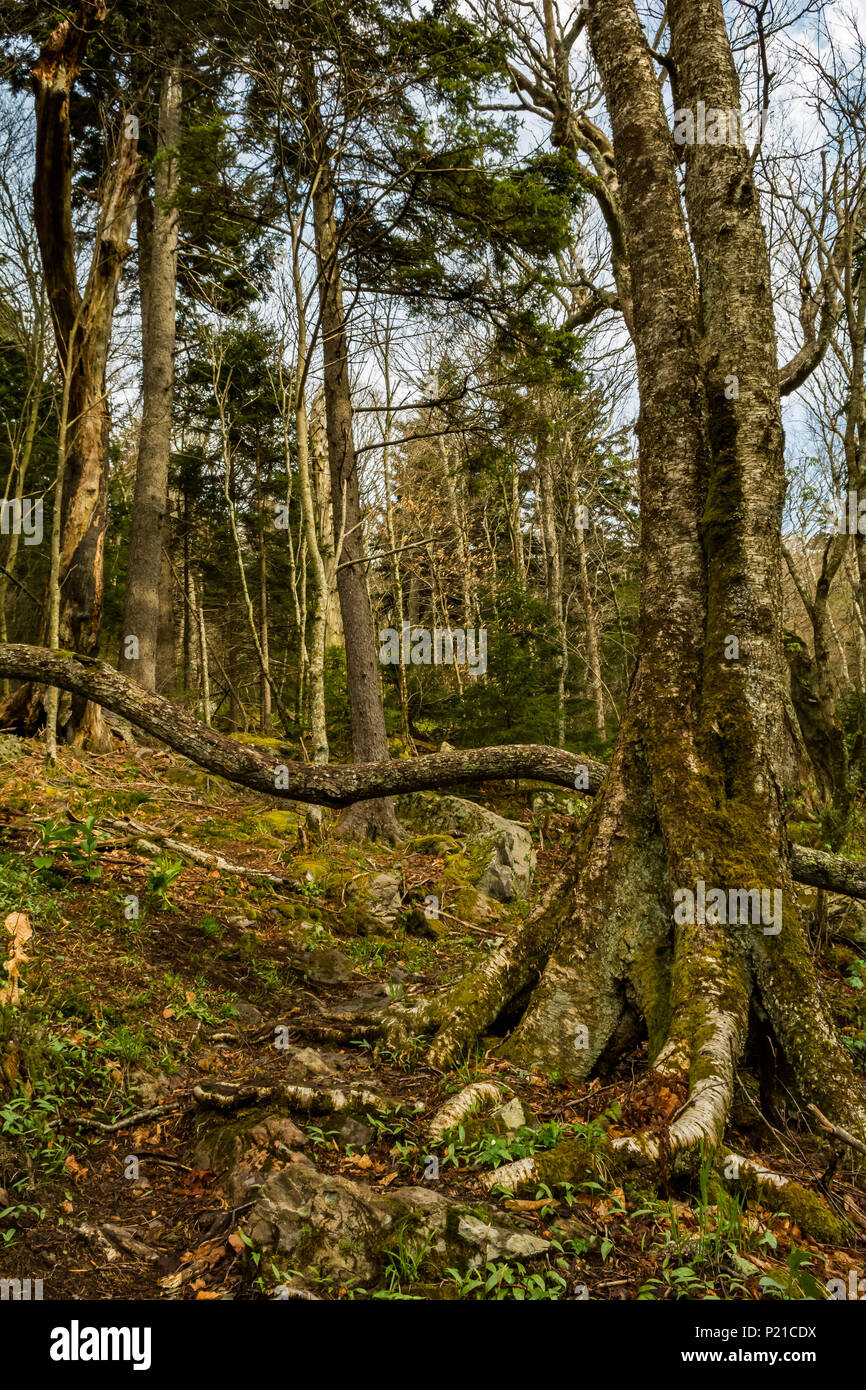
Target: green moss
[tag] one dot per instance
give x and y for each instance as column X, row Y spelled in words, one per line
column 281, row 822
column 471, row 906
column 432, row 844
column 807, row 1209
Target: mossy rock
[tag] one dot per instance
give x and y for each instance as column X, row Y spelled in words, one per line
column 460, row 871
column 440, row 845
column 417, row 923
column 445, row 1292
column 185, row 777
column 245, row 1148
column 807, row 1210
column 471, row 906
column 327, row 876
column 353, row 1233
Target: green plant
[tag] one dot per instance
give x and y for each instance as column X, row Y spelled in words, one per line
column 76, row 843
column 13, row 1214
column 500, row 1281
column 403, row 1264
column 162, row 875
column 797, row 1282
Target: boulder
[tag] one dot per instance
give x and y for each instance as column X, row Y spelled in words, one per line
column 345, row 1230
column 243, row 1150
column 325, row 967
column 502, row 848
column 372, row 904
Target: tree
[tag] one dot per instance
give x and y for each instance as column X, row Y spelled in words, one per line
column 82, row 328
column 696, row 788
column 158, row 242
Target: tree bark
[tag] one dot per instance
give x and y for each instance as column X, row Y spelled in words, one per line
column 158, row 306
column 697, row 782
column 88, row 320
column 593, row 659
column 366, row 711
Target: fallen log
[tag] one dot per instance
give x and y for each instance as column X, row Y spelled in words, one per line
column 336, row 786
column 339, row 786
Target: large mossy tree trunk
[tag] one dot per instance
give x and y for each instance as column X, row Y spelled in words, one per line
column 696, row 788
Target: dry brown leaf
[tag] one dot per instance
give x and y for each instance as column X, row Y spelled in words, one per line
column 18, row 926
column 74, row 1168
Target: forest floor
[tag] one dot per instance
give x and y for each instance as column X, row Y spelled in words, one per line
column 147, row 974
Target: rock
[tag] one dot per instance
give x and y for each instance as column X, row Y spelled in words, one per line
column 349, row 1129
column 512, row 1115
column 507, row 875
column 247, row 1013
column 245, row 1149
column 507, row 1118
column 846, row 915
column 471, row 906
column 372, row 904
column 559, row 800
column 504, row 846
column 440, row 845
column 501, row 1243
column 419, row 924
column 345, row 1230
column 308, row 1061
column 383, row 901
column 326, row 967
column 279, row 822
column 149, row 1088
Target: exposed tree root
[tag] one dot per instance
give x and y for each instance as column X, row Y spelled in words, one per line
column 145, row 835
column 128, row 1120
column 311, row 1100
column 479, row 1096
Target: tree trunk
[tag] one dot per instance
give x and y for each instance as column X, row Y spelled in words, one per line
column 158, row 261
column 553, row 552
column 593, row 659
column 166, row 658
column 367, row 716
column 695, row 793
column 321, row 480
column 264, row 635
column 82, row 330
